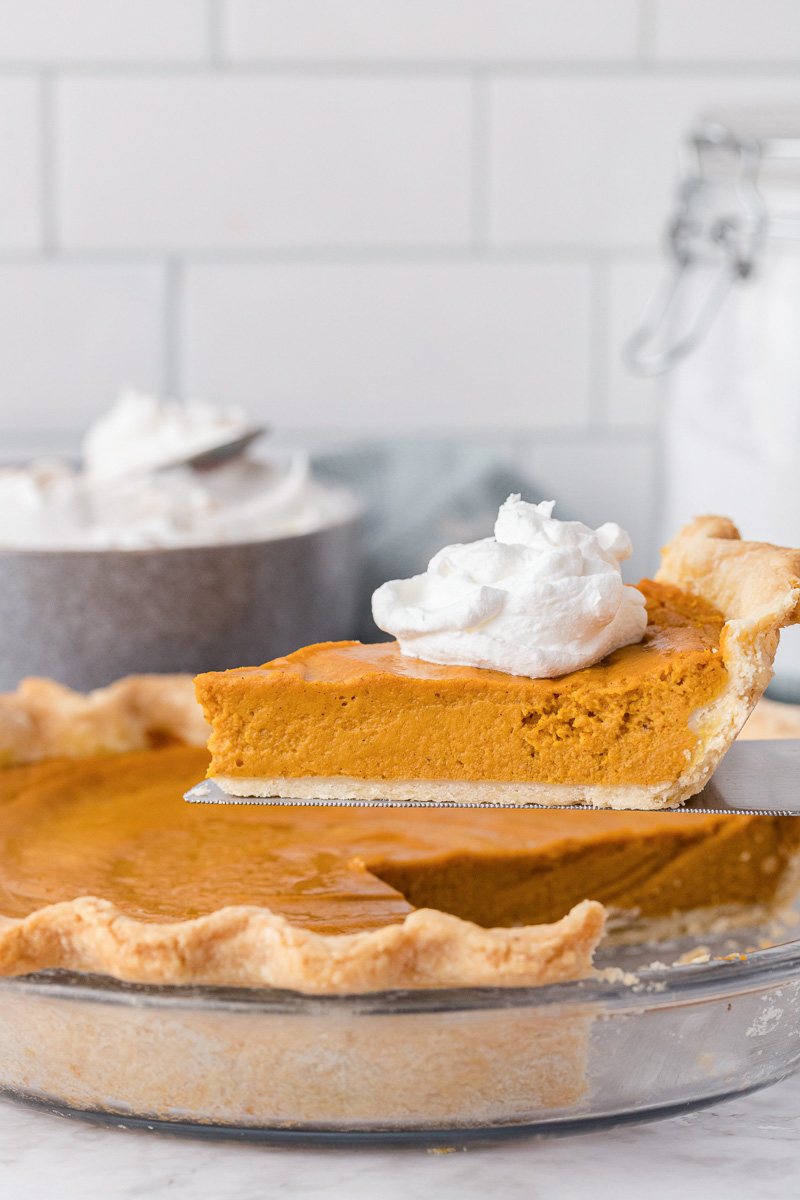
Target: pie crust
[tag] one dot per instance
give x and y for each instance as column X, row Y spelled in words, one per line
column 251, row 947
column 754, row 586
column 43, row 719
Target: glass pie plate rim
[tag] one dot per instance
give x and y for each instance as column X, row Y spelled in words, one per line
column 660, row 983
column 674, row 1011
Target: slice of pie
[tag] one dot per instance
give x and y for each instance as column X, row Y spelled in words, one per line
column 644, row 728
column 104, row 868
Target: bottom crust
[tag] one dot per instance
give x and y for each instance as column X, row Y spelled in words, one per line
column 464, row 793
column 629, row 928
column 626, row 928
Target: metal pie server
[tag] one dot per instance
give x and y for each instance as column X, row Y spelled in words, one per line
column 754, row 779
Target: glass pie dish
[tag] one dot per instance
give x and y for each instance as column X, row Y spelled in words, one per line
column 640, row 1040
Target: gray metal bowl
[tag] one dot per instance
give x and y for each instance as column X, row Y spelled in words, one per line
column 87, row 617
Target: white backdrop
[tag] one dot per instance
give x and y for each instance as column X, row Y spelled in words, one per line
column 358, row 214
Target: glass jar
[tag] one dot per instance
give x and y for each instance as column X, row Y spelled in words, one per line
column 724, row 328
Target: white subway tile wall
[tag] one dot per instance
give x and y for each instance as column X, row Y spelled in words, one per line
column 413, row 214
column 393, row 345
column 59, row 32
column 71, row 332
column 592, row 161
column 727, row 30
column 429, row 30
column 230, row 162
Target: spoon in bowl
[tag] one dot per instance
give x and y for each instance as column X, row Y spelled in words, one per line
column 215, row 456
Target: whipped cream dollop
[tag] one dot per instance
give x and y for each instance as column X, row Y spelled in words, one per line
column 121, row 498
column 540, row 598
column 141, row 433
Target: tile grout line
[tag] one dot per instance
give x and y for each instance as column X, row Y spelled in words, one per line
column 48, row 164
column 634, row 67
column 559, row 255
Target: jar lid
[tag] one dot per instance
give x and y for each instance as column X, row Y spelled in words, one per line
column 761, row 145
column 773, row 132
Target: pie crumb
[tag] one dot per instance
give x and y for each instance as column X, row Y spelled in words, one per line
column 617, row 975
column 700, row 954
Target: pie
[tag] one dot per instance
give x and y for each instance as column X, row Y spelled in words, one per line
column 104, row 868
column 644, row 728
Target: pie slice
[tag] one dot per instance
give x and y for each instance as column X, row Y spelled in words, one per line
column 644, row 728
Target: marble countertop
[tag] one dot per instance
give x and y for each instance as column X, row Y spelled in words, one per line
column 746, row 1149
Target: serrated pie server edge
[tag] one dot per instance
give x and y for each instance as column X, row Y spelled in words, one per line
column 755, row 778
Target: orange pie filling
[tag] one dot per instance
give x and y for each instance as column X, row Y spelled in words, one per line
column 368, row 712
column 104, row 867
column 117, row 827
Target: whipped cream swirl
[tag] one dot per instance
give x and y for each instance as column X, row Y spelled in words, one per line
column 540, row 598
column 142, row 433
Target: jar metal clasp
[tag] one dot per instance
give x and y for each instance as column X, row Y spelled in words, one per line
column 719, row 227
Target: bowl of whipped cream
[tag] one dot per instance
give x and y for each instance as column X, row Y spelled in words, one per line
column 133, row 560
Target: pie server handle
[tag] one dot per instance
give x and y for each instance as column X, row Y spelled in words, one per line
column 753, row 779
